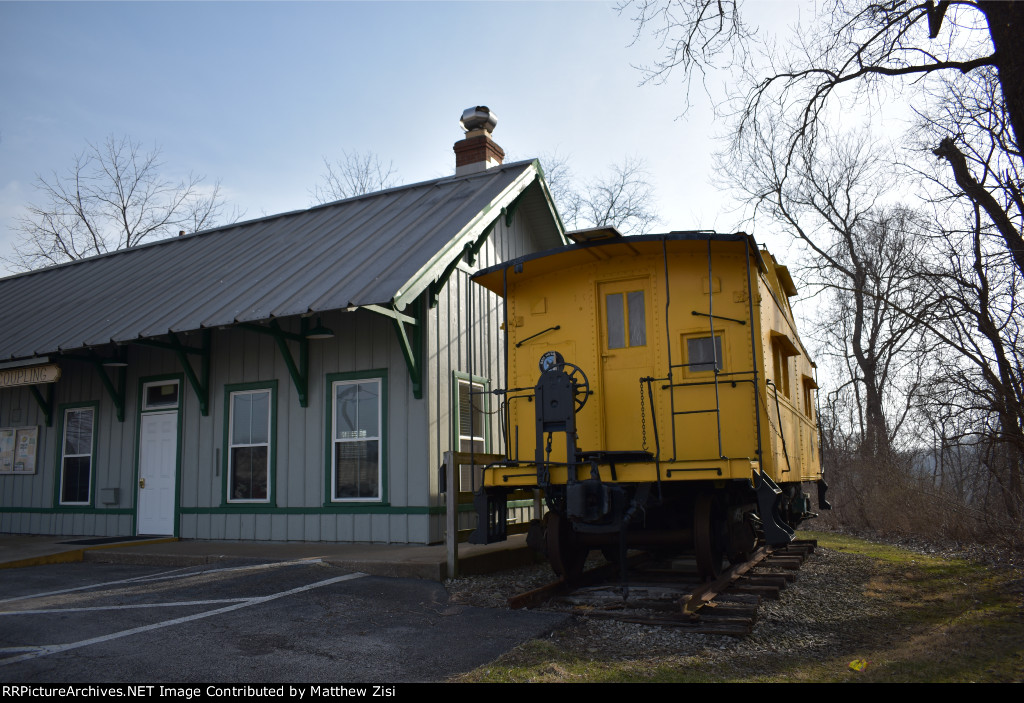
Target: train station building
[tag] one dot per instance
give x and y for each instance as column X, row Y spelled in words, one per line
column 293, row 377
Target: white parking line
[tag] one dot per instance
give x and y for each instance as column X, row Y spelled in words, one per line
column 162, row 576
column 47, row 649
column 178, row 604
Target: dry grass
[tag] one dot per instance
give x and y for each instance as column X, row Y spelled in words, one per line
column 914, row 617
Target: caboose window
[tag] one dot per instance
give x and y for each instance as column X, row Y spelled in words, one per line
column 637, row 320
column 702, row 355
column 626, row 319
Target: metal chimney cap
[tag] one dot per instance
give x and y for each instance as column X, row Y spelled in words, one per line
column 478, row 117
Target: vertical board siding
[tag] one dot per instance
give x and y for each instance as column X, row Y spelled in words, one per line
column 460, row 343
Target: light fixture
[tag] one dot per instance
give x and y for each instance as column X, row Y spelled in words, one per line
column 117, row 361
column 319, row 331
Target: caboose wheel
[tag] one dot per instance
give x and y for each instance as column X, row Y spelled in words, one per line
column 709, row 535
column 565, row 553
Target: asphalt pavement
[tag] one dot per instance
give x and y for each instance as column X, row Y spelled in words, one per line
column 239, row 619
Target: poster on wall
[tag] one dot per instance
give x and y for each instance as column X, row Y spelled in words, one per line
column 18, row 448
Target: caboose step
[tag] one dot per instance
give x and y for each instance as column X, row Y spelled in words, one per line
column 492, row 517
column 776, row 531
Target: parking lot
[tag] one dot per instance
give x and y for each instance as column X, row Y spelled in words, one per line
column 296, row 621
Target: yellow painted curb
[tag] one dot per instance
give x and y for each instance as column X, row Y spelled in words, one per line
column 58, row 558
column 73, row 555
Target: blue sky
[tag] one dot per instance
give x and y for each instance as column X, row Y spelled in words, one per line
column 255, row 95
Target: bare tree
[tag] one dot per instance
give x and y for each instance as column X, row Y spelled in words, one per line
column 356, row 173
column 559, row 177
column 959, row 65
column 695, row 36
column 979, row 321
column 113, row 196
column 859, row 268
column 623, row 198
column 851, row 50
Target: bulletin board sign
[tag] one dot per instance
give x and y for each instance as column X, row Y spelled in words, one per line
column 18, row 449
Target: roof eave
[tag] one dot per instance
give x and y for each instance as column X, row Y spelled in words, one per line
column 430, row 271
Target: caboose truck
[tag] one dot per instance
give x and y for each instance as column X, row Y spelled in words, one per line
column 646, row 376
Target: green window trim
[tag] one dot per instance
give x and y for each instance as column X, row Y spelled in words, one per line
column 239, row 389
column 58, row 494
column 334, row 382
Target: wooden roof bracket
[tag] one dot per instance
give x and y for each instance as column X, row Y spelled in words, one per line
column 200, row 383
column 45, row 404
column 116, row 392
column 409, row 330
column 298, row 371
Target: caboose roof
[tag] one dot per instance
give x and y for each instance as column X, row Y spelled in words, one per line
column 565, row 257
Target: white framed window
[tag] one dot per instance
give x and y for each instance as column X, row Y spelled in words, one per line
column 161, row 395
column 250, row 445
column 357, row 411
column 77, row 447
column 471, row 424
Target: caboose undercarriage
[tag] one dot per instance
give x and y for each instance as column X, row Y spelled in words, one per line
column 718, row 522
column 715, row 520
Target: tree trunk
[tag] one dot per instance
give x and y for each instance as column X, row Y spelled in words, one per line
column 1006, row 27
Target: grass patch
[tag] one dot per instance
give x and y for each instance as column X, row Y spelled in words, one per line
column 915, row 617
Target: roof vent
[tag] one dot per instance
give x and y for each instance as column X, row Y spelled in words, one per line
column 477, row 152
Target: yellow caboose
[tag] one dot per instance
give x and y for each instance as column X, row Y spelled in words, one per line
column 658, row 395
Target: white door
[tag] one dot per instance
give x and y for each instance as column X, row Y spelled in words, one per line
column 158, row 459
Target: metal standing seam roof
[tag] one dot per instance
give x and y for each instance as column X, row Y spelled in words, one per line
column 352, row 252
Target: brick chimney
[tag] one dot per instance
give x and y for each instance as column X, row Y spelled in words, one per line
column 477, row 151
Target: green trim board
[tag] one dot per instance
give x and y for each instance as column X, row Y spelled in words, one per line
column 341, row 509
column 70, row 509
column 456, row 247
column 58, row 482
column 142, row 383
column 469, row 252
column 250, row 509
column 550, row 200
column 381, row 375
column 271, row 500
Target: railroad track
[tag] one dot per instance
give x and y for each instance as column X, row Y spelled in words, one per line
column 672, row 595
